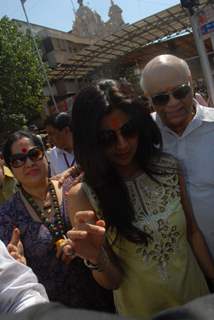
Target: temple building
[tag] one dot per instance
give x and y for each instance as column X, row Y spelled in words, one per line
column 88, row 24
column 59, row 47
column 95, row 49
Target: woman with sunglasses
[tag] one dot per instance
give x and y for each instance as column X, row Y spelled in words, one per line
column 132, row 222
column 37, row 210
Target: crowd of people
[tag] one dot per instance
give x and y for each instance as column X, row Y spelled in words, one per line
column 117, row 215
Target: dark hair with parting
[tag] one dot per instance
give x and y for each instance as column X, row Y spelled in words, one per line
column 90, row 106
column 59, row 121
column 13, row 137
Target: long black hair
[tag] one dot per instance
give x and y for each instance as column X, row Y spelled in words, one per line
column 89, row 108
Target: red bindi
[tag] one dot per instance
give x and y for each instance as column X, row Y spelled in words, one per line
column 24, row 150
column 115, row 123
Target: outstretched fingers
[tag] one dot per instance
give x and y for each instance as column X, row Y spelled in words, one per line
column 85, row 217
column 15, row 247
column 15, row 237
column 82, row 231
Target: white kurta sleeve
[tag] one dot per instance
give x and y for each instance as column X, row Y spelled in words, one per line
column 19, row 287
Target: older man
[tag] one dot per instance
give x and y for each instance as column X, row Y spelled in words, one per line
column 187, row 130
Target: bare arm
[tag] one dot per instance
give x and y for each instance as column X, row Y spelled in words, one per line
column 88, row 239
column 195, row 236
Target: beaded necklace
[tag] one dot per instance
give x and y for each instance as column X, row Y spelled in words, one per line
column 57, row 227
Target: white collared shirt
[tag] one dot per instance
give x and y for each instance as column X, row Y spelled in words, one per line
column 19, row 287
column 195, row 151
column 60, row 160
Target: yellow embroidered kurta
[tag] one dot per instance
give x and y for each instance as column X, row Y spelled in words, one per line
column 165, row 273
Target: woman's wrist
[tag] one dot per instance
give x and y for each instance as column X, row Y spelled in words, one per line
column 101, row 263
column 92, row 266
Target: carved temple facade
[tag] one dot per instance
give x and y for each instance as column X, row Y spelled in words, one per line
column 59, row 46
column 91, row 41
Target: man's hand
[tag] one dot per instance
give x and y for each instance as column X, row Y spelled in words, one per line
column 15, row 247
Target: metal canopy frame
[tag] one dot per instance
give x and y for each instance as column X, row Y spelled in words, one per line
column 157, row 28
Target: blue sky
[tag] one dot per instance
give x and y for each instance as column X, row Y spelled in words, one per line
column 58, row 14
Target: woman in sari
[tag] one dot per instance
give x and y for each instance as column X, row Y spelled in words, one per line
column 37, row 210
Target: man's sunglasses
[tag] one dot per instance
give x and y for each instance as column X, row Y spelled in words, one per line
column 108, row 137
column 18, row 160
column 178, row 93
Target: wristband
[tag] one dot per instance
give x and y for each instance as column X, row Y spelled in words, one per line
column 92, row 266
column 103, row 261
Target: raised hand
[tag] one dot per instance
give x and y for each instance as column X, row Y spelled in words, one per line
column 87, row 236
column 15, row 247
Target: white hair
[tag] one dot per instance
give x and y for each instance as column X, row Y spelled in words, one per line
column 164, row 59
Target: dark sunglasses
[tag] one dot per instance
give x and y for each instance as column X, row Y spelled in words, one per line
column 108, row 137
column 178, row 93
column 18, row 160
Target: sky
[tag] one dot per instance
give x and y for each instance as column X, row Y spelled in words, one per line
column 59, row 14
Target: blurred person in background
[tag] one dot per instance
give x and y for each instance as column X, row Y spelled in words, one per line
column 7, row 181
column 61, row 156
